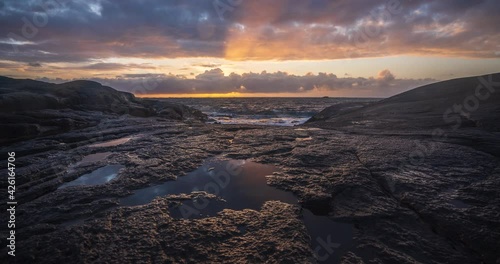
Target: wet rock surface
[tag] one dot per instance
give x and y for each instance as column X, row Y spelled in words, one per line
column 409, row 197
column 401, row 211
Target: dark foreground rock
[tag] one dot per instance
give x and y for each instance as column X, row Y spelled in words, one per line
column 31, row 108
column 147, row 234
column 411, row 197
column 402, row 212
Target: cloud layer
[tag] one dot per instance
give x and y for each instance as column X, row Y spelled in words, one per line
column 214, row 81
column 76, row 31
column 120, row 42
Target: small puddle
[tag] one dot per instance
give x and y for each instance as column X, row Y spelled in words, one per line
column 459, row 204
column 453, row 201
column 89, row 159
column 99, row 176
column 94, row 157
column 111, row 143
column 242, row 185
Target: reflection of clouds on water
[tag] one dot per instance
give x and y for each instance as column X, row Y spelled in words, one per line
column 245, row 187
column 100, row 176
column 110, row 177
column 112, row 143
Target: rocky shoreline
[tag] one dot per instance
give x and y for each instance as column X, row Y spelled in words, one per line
column 439, row 207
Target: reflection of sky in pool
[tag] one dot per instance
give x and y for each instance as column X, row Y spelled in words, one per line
column 242, row 185
column 99, row 176
column 94, row 157
column 459, row 204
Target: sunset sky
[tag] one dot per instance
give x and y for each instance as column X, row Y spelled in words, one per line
column 250, row 47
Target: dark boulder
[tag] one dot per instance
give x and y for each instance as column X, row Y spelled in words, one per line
column 465, row 103
column 31, row 108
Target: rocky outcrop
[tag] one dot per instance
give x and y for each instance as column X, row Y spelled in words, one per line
column 31, row 108
column 465, row 102
column 337, row 110
column 173, row 111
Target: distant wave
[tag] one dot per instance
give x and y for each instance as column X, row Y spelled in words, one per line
column 261, row 111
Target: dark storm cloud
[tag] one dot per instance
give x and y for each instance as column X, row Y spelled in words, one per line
column 80, row 30
column 97, row 29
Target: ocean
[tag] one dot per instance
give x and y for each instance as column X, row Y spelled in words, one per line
column 278, row 111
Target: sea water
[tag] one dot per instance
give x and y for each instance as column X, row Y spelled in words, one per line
column 262, row 111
